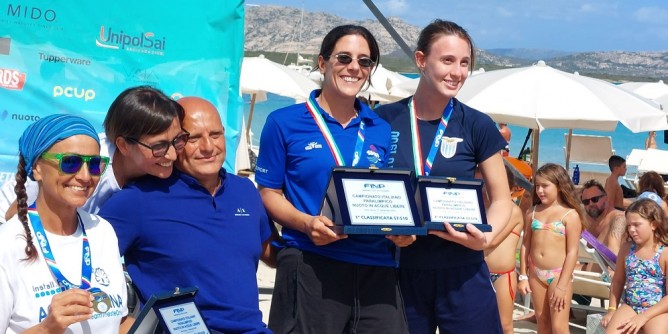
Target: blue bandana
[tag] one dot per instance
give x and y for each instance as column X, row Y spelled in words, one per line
column 41, row 135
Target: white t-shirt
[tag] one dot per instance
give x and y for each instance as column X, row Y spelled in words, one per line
column 105, row 188
column 26, row 288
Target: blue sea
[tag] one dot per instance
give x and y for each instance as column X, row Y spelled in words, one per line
column 551, row 140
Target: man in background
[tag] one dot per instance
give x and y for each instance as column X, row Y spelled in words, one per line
column 606, row 223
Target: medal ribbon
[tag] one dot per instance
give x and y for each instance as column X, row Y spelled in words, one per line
column 316, row 113
column 86, row 266
column 423, row 167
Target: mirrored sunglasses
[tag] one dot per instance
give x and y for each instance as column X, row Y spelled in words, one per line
column 593, row 199
column 70, row 163
column 346, row 59
column 160, row 149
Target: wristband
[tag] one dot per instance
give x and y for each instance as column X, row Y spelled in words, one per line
column 522, row 278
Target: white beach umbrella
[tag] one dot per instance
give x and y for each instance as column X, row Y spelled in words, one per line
column 663, row 101
column 540, row 96
column 260, row 75
column 382, row 83
column 650, row 90
column 406, row 87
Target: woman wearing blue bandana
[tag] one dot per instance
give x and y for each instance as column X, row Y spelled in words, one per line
column 444, row 280
column 60, row 269
column 329, row 283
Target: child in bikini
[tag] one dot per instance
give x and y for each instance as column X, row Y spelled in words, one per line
column 641, row 267
column 500, row 258
column 551, row 245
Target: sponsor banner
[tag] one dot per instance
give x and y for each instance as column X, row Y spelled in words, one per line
column 76, row 57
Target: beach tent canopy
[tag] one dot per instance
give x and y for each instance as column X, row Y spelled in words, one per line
column 540, row 97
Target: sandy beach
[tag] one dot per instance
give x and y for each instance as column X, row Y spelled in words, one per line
column 265, row 281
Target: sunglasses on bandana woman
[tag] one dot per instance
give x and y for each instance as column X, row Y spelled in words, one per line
column 346, row 59
column 160, row 149
column 70, row 163
column 593, row 199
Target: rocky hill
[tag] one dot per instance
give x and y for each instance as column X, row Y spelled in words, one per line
column 648, row 64
column 278, row 29
column 273, row 28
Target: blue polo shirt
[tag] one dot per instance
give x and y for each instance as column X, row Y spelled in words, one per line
column 295, row 158
column 476, row 139
column 174, row 233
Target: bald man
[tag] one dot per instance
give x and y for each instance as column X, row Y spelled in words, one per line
column 200, row 227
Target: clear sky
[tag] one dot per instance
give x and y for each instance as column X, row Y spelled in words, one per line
column 565, row 25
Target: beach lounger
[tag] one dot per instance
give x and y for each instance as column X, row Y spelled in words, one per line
column 636, row 156
column 588, row 149
column 651, row 160
column 654, row 160
column 602, row 255
column 589, row 283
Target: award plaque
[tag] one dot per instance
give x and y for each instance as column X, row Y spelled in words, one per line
column 172, row 312
column 372, row 201
column 454, row 201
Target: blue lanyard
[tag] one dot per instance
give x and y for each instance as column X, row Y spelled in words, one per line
column 423, row 167
column 315, row 111
column 86, row 266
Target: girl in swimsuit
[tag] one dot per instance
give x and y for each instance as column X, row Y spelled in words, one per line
column 551, row 245
column 644, row 263
column 500, row 258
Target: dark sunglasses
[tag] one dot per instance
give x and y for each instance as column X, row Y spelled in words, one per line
column 70, row 163
column 593, row 199
column 159, row 149
column 346, row 59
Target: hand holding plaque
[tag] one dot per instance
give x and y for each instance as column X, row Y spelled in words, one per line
column 319, row 230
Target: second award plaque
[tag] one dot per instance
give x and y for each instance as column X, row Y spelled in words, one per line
column 454, row 201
